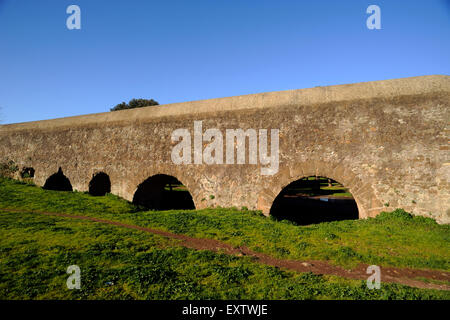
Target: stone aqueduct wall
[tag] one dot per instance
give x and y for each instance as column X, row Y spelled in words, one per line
column 388, row 141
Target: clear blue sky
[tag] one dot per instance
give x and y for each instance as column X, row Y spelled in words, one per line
column 174, row 51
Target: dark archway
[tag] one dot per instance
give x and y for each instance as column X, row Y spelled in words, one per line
column 163, row 192
column 313, row 200
column 27, row 172
column 100, row 184
column 58, row 181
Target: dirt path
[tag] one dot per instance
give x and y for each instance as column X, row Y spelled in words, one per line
column 404, row 276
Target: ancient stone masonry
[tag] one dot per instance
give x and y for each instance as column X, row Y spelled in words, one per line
column 387, row 141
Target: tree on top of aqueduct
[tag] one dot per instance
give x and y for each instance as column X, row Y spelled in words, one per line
column 135, row 103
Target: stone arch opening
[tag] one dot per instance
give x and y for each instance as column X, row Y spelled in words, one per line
column 163, row 192
column 27, row 172
column 314, row 199
column 100, row 184
column 58, row 181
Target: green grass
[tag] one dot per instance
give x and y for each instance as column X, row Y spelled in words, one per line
column 119, row 263
column 391, row 239
column 323, row 191
column 175, row 187
column 338, row 191
column 335, row 190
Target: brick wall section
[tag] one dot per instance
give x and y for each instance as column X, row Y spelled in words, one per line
column 388, row 141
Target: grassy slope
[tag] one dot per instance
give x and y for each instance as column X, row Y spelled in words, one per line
column 118, row 263
column 396, row 239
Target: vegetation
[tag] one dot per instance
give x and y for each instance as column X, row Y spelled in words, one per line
column 8, row 168
column 119, row 263
column 391, row 239
column 135, row 103
column 317, row 186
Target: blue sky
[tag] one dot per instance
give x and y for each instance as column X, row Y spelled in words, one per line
column 175, row 51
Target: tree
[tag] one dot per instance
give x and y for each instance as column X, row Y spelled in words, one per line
column 135, row 103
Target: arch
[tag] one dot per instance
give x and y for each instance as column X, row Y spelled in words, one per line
column 163, row 192
column 100, row 184
column 58, row 181
column 359, row 185
column 313, row 200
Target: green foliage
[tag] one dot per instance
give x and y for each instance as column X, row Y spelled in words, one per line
column 8, row 168
column 403, row 217
column 399, row 215
column 135, row 103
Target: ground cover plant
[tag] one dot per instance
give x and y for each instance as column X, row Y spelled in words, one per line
column 391, row 239
column 35, row 251
column 117, row 263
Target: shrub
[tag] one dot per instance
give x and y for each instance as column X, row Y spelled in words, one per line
column 398, row 214
column 8, row 168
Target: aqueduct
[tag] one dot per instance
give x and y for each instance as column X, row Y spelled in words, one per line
column 387, row 141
